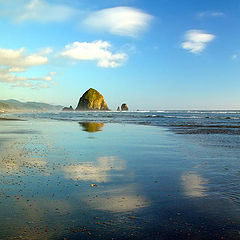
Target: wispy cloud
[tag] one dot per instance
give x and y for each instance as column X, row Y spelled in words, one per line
column 210, row 14
column 196, row 40
column 124, row 21
column 14, row 62
column 95, row 51
column 30, row 85
column 235, row 56
column 36, row 10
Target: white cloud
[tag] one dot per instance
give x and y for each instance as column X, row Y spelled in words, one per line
column 13, row 62
column 30, row 85
column 235, row 56
column 17, row 58
column 97, row 51
column 42, row 11
column 124, row 21
column 16, row 69
column 9, row 76
column 196, row 40
column 211, row 14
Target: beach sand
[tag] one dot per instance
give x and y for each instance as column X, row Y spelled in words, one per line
column 70, row 180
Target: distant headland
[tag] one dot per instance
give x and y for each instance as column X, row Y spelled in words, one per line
column 13, row 105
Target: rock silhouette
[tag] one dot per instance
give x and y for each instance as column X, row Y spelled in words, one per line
column 124, row 107
column 68, row 108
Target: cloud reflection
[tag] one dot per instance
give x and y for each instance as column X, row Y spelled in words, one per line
column 100, row 172
column 120, row 199
column 122, row 203
column 194, row 185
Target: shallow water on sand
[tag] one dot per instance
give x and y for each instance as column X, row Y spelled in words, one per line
column 116, row 181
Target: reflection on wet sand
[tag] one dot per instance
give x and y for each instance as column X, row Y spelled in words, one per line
column 43, row 195
column 120, row 199
column 100, row 172
column 14, row 158
column 7, row 167
column 123, row 198
column 194, row 185
column 91, row 126
column 34, row 222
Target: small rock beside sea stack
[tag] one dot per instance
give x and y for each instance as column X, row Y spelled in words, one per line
column 92, row 100
column 124, row 107
column 118, row 109
column 68, row 108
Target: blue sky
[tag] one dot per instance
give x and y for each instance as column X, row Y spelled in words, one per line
column 158, row 54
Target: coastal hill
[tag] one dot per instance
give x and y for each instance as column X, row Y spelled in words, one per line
column 14, row 105
column 92, row 100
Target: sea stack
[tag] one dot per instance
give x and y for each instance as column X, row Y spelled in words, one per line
column 124, row 107
column 118, row 109
column 92, row 100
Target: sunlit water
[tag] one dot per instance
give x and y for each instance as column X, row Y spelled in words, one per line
column 65, row 179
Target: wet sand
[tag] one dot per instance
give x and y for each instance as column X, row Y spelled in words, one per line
column 10, row 119
column 70, row 180
column 205, row 129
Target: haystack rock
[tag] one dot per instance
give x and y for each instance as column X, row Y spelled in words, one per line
column 124, row 107
column 68, row 108
column 92, row 100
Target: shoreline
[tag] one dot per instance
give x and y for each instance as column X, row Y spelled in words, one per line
column 11, row 119
column 185, row 126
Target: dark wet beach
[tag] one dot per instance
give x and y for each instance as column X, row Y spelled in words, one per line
column 71, row 180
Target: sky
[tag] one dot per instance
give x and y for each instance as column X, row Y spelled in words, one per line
column 150, row 54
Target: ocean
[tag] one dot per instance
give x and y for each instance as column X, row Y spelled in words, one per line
column 187, row 121
column 120, row 175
